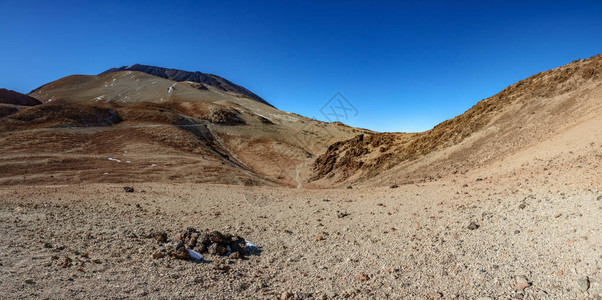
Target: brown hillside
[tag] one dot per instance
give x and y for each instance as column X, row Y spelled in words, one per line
column 176, row 130
column 524, row 113
column 15, row 98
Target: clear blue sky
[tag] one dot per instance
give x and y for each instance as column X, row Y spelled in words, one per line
column 405, row 66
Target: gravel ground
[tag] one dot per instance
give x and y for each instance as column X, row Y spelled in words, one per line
column 413, row 242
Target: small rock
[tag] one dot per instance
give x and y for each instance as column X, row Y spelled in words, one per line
column 193, row 240
column 64, row 262
column 522, row 206
column 286, row 296
column 319, row 238
column 47, row 245
column 158, row 254
column 235, row 255
column 223, row 268
column 29, row 281
column 435, row 295
column 349, row 187
column 239, row 245
column 521, row 279
column 128, row 189
column 362, row 277
column 201, row 248
column 216, row 249
column 521, row 283
column 204, row 239
column 341, row 214
column 330, row 294
column 349, row 292
column 216, row 237
column 180, row 253
column 394, row 186
column 522, row 286
column 473, row 226
column 583, row 284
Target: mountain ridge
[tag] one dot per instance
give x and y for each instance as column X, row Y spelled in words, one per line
column 198, row 77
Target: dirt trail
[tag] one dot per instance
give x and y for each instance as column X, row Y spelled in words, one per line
column 297, row 176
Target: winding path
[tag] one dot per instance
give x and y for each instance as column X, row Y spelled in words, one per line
column 297, row 176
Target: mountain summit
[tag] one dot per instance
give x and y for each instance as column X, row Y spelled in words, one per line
column 179, row 75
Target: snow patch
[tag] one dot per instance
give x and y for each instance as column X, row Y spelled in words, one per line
column 171, row 88
column 194, row 255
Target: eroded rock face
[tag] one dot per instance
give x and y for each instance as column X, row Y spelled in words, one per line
column 347, row 157
column 224, row 117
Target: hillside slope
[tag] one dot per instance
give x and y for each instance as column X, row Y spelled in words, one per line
column 11, row 102
column 129, row 124
column 198, row 77
column 521, row 116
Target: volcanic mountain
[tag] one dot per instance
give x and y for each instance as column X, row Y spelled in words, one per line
column 198, row 77
column 161, row 125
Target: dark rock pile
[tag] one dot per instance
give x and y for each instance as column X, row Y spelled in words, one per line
column 214, row 243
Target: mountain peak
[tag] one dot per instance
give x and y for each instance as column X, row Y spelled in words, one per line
column 180, row 75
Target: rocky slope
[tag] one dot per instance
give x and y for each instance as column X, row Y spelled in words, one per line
column 198, row 77
column 137, row 125
column 523, row 115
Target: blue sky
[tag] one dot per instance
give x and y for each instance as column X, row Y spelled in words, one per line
column 404, row 65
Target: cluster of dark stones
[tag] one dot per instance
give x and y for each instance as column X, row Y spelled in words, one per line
column 214, row 243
